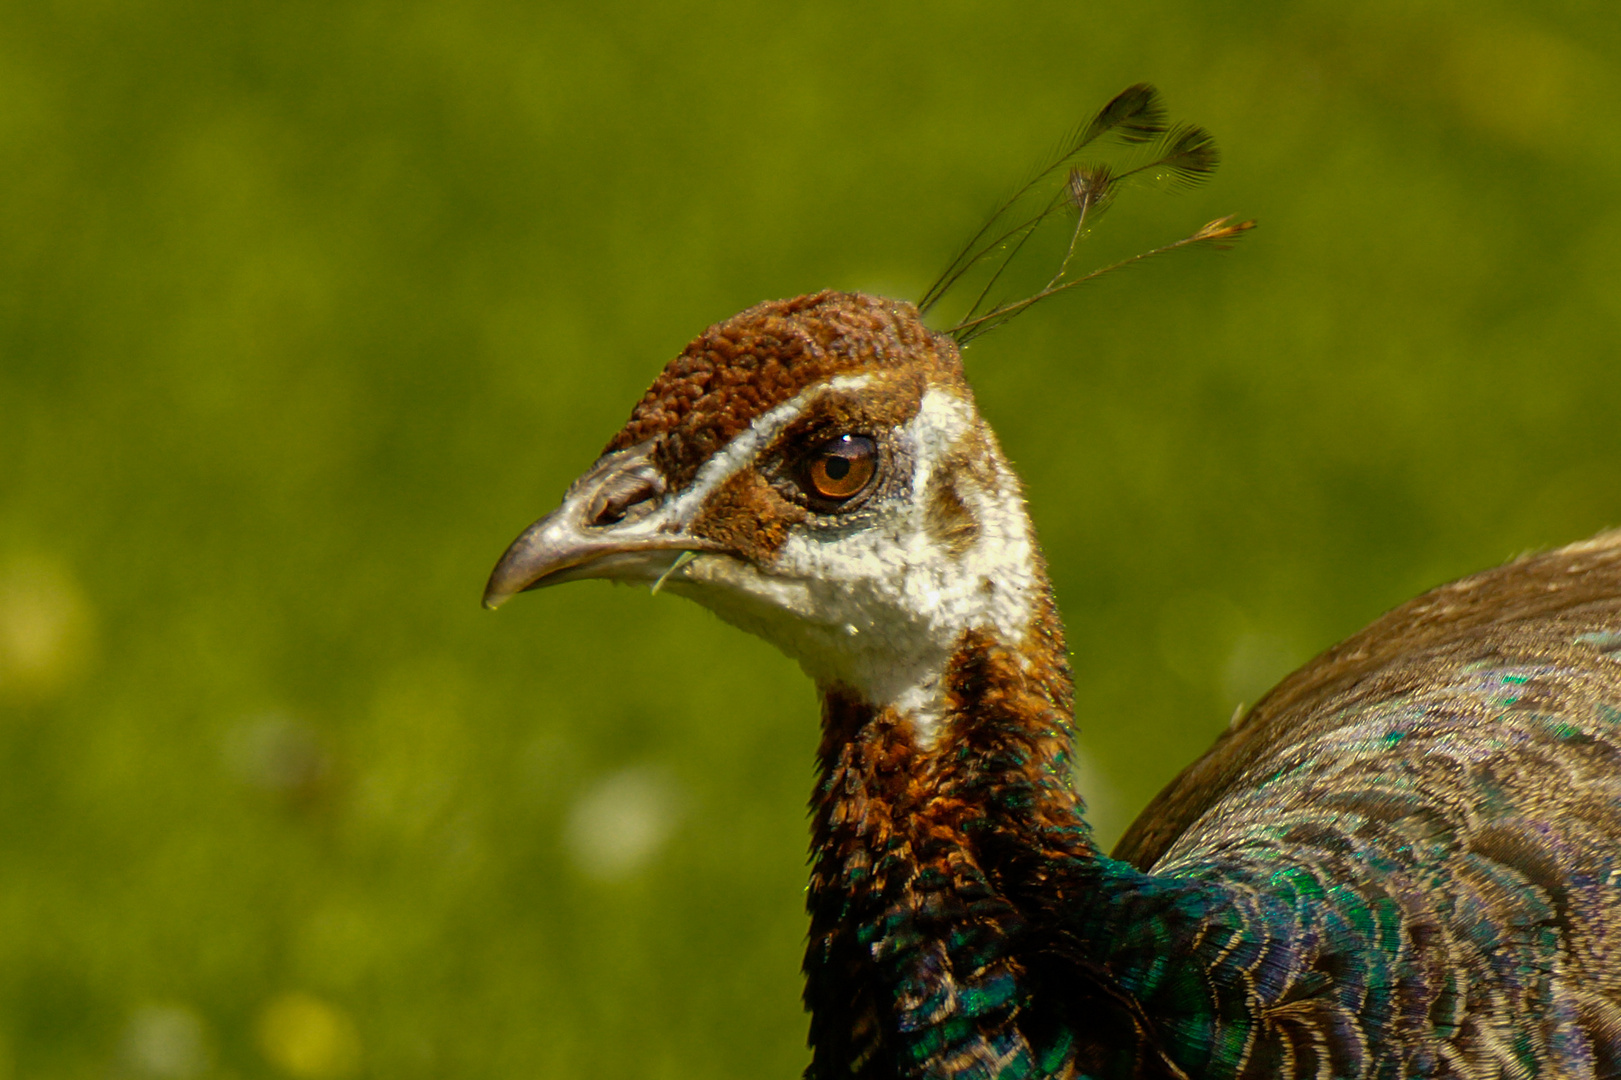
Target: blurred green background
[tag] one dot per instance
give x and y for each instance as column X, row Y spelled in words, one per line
column 306, row 309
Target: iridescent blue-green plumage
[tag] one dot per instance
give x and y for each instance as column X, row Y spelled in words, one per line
column 1406, row 861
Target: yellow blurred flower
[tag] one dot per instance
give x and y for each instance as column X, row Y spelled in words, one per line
column 308, row 1037
column 44, row 628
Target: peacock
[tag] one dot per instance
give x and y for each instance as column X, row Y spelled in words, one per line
column 1404, row 861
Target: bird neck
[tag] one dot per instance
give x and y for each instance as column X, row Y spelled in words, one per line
column 999, row 766
column 923, row 852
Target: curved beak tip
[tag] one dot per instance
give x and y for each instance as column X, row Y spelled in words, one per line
column 520, row 569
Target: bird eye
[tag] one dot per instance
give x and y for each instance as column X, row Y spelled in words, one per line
column 841, row 467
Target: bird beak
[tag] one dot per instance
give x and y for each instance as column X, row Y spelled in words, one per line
column 614, row 523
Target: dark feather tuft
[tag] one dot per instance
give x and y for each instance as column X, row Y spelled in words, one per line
column 1189, row 156
column 1135, row 115
column 1183, row 155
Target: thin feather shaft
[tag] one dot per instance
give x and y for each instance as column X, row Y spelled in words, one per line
column 1217, row 233
column 1024, row 232
column 1135, row 115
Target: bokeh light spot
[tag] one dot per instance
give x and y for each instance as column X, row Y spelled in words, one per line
column 621, row 822
column 1255, row 662
column 307, row 1037
column 165, row 1041
column 1104, row 811
column 44, row 629
column 1517, row 81
column 279, row 754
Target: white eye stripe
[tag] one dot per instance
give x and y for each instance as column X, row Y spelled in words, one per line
column 847, row 382
column 742, row 451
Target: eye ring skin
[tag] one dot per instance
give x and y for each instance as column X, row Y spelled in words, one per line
column 839, row 469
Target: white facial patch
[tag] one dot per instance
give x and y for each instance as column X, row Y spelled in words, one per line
column 879, row 608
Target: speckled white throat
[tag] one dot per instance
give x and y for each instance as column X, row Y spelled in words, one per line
column 879, row 610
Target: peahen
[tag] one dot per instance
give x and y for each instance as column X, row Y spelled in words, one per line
column 1402, row 862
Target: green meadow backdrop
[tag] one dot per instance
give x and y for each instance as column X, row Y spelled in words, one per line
column 307, row 308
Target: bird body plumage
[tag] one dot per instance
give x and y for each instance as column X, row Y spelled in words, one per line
column 1410, row 871
column 1403, row 862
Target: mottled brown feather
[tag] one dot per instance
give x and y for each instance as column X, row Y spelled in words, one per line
column 1530, row 607
column 741, row 367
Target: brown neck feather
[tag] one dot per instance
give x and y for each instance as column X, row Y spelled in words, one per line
column 953, row 835
column 1003, row 759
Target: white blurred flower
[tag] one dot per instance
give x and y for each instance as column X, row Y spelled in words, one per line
column 622, row 821
column 165, row 1041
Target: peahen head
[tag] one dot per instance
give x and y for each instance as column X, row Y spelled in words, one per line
column 814, row 471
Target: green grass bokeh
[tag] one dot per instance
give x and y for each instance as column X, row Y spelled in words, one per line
column 306, row 309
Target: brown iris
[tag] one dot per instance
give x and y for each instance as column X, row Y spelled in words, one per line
column 841, row 467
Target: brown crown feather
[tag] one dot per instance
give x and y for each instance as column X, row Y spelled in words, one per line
column 762, row 357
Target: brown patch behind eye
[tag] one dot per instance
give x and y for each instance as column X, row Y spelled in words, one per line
column 947, row 518
column 747, row 517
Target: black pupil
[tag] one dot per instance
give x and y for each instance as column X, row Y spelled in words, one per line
column 838, row 468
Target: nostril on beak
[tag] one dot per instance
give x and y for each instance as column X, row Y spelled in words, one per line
column 608, row 515
column 631, row 494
